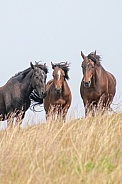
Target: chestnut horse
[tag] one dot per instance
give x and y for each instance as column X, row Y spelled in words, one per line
column 58, row 98
column 15, row 94
column 98, row 86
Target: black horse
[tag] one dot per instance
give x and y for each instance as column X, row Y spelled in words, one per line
column 15, row 94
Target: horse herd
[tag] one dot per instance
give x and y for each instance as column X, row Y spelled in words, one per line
column 97, row 90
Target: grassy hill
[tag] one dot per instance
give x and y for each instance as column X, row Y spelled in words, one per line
column 87, row 151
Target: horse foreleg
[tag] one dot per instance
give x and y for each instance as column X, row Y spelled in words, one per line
column 50, row 115
column 10, row 123
column 10, row 120
column 90, row 109
column 64, row 117
column 64, row 112
column 19, row 118
column 87, row 109
column 47, row 116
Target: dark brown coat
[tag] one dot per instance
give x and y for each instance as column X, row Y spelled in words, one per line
column 98, row 86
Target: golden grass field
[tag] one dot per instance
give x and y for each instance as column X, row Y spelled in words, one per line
column 80, row 151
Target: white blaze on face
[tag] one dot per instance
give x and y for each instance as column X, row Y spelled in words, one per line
column 59, row 74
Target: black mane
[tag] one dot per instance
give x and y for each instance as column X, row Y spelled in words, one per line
column 42, row 67
column 64, row 66
column 96, row 59
column 20, row 75
column 26, row 71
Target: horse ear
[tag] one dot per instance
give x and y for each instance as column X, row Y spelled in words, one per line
column 52, row 65
column 66, row 63
column 36, row 63
column 32, row 66
column 83, row 56
column 95, row 53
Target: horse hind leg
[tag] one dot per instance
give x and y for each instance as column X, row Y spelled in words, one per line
column 104, row 104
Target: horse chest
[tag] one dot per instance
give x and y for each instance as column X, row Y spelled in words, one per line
column 91, row 95
column 60, row 101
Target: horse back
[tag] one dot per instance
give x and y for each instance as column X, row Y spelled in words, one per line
column 2, row 101
column 111, row 83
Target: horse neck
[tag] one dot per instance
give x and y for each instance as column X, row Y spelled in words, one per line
column 99, row 74
column 26, row 85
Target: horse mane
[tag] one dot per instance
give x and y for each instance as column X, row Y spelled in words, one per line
column 64, row 66
column 96, row 59
column 22, row 73
column 26, row 71
column 41, row 66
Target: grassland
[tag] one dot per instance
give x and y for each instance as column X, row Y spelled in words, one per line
column 87, row 151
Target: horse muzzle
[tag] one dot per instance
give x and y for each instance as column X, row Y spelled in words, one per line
column 58, row 90
column 87, row 84
column 43, row 95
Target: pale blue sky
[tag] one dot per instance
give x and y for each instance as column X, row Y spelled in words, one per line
column 57, row 30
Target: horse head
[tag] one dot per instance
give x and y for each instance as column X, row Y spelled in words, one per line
column 88, row 68
column 38, row 80
column 58, row 78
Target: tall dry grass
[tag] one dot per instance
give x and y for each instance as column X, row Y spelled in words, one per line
column 87, row 151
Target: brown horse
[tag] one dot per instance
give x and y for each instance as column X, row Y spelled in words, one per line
column 58, row 98
column 15, row 94
column 98, row 86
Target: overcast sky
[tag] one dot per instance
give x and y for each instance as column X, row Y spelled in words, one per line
column 57, row 30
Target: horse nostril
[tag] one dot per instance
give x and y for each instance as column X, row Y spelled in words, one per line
column 58, row 90
column 87, row 84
